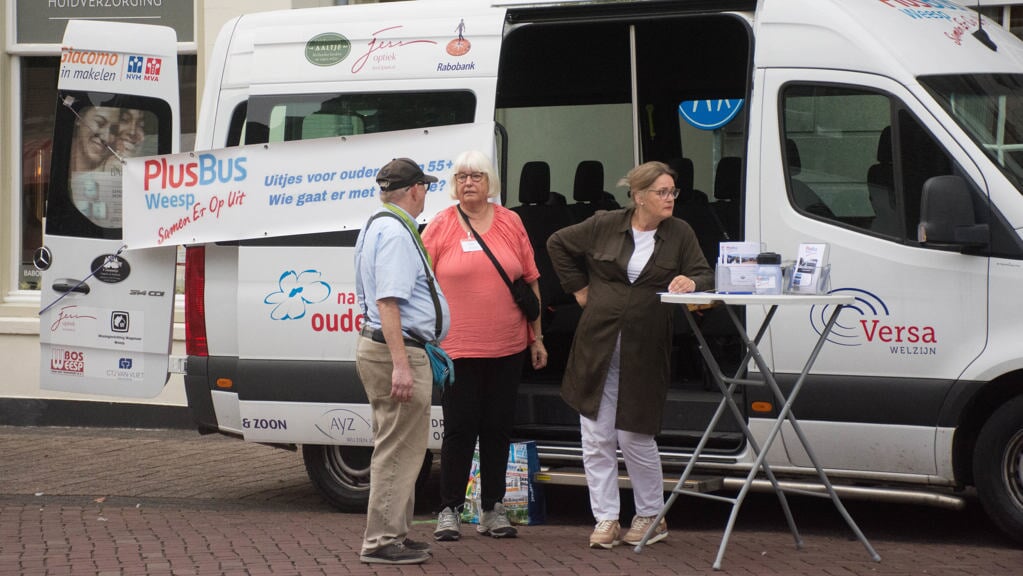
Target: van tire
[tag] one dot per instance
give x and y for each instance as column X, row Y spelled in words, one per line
column 341, row 474
column 998, row 468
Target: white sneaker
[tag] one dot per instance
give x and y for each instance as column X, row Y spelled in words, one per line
column 495, row 523
column 449, row 524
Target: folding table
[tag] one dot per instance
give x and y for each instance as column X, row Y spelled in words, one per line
column 728, row 386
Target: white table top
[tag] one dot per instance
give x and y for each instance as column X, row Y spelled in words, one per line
column 765, row 299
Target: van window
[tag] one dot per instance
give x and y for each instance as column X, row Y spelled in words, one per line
column 94, row 132
column 306, row 116
column 857, row 157
column 988, row 107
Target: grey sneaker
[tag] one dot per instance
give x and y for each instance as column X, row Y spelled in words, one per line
column 495, row 523
column 395, row 553
column 417, row 545
column 448, row 525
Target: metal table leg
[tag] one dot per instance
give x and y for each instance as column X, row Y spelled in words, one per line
column 728, row 387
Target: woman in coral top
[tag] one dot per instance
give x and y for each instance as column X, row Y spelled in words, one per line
column 488, row 340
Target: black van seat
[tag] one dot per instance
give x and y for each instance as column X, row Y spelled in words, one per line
column 588, row 191
column 541, row 219
column 881, row 186
column 727, row 191
column 803, row 195
column 693, row 206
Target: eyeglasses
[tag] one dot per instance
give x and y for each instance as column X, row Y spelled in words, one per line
column 461, row 177
column 664, row 193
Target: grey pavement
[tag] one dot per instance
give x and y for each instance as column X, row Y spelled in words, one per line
column 124, row 502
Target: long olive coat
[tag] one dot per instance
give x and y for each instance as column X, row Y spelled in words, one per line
column 595, row 253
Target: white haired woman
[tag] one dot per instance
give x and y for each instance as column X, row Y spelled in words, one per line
column 489, row 339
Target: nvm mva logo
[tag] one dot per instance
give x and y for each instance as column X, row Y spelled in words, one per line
column 142, row 68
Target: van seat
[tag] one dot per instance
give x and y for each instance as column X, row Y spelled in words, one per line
column 588, row 191
column 727, row 192
column 693, row 206
column 881, row 186
column 803, row 195
column 541, row 219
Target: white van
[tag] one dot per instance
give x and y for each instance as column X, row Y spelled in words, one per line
column 790, row 121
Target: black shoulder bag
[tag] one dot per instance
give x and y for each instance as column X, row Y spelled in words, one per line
column 521, row 293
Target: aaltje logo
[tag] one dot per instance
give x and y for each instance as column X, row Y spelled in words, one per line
column 327, row 49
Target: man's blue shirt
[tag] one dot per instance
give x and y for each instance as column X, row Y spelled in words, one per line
column 388, row 265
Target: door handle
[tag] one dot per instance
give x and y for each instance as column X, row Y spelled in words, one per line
column 65, row 285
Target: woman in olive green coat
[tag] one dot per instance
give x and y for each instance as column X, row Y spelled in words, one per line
column 616, row 263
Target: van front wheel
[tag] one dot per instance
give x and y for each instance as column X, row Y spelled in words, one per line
column 998, row 468
column 341, row 474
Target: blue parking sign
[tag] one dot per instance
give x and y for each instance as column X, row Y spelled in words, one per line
column 709, row 114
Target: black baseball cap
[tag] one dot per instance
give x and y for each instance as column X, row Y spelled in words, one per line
column 401, row 172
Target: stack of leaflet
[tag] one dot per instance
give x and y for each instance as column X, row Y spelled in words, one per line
column 811, row 274
column 736, row 269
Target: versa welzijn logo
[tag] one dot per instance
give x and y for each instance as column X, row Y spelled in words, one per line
column 868, row 321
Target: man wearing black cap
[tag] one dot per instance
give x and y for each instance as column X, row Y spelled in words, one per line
column 402, row 307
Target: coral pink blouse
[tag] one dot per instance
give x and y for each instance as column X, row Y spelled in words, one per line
column 485, row 321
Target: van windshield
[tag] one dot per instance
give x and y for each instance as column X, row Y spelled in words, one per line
column 989, row 107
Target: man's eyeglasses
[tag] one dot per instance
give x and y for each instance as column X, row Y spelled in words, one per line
column 461, row 177
column 665, row 193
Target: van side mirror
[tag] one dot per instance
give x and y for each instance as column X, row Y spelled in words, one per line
column 946, row 214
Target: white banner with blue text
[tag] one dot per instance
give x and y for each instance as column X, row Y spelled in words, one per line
column 283, row 188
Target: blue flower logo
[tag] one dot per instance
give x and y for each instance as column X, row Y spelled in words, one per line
column 296, row 291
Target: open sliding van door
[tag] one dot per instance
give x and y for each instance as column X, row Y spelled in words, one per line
column 106, row 310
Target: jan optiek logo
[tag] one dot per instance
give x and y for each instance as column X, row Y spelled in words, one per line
column 327, row 49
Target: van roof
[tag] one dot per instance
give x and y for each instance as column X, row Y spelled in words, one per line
column 897, row 38
column 901, row 39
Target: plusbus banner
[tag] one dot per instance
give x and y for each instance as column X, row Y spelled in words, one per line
column 280, row 189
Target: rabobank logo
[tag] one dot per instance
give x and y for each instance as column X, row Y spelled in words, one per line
column 869, row 321
column 709, row 114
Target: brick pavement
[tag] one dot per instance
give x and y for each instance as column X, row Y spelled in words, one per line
column 126, row 502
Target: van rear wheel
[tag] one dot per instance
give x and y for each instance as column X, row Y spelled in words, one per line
column 341, row 474
column 998, row 468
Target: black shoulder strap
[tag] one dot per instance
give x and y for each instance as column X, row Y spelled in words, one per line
column 483, row 245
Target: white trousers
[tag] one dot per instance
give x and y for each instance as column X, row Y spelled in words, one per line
column 600, row 460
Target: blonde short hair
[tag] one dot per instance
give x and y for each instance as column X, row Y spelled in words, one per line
column 643, row 176
column 476, row 161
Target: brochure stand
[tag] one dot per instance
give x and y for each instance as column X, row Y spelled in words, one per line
column 728, row 386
